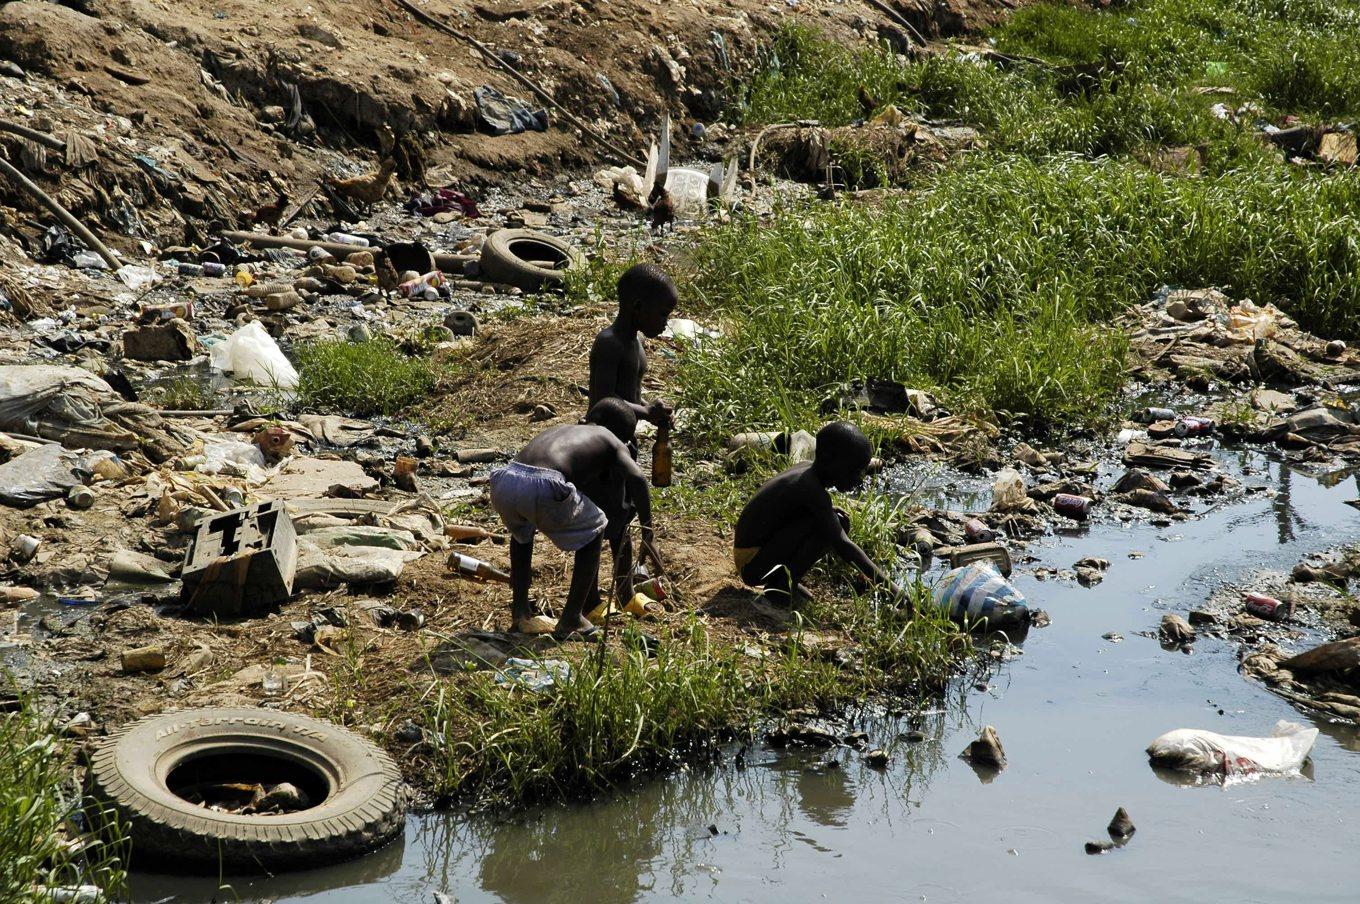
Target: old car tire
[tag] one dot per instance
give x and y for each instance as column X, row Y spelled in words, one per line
column 362, row 797
column 509, row 256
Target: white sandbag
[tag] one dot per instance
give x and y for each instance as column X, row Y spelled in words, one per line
column 1198, row 750
column 320, row 569
column 250, row 353
column 350, row 535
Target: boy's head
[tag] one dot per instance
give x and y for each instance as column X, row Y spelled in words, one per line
column 649, row 296
column 614, row 415
column 842, row 456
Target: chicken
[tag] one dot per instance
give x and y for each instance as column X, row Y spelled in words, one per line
column 662, row 207
column 388, row 278
column 369, row 188
column 269, row 214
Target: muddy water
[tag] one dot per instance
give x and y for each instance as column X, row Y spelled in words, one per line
column 1075, row 712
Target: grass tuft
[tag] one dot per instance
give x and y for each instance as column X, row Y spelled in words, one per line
column 360, row 378
column 43, row 817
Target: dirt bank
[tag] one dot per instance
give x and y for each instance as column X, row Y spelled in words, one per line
column 200, row 115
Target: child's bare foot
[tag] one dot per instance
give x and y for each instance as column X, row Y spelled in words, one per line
column 582, row 630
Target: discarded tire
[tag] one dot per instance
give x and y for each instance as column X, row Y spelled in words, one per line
column 527, row 259
column 358, row 802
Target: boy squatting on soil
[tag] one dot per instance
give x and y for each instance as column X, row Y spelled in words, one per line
column 790, row 523
column 576, row 483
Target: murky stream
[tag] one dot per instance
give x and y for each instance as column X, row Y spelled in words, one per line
column 1075, row 713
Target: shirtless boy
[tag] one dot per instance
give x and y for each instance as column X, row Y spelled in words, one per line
column 790, row 523
column 571, row 483
column 647, row 298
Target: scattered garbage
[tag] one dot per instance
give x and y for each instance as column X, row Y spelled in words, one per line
column 536, row 675
column 1199, row 750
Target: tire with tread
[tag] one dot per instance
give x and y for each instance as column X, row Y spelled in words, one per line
column 500, row 263
column 364, row 809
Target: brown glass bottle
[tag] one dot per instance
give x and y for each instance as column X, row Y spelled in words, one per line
column 661, row 457
column 476, row 569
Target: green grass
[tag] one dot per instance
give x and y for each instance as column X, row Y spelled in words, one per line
column 360, row 378
column 40, row 809
column 998, row 285
column 186, row 393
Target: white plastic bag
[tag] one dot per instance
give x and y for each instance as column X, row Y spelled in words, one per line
column 231, row 457
column 1198, row 750
column 250, row 353
column 1008, row 493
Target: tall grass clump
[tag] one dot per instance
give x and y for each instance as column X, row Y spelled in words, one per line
column 43, row 818
column 360, row 378
column 997, row 286
column 618, row 715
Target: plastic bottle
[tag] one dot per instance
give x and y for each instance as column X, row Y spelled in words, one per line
column 661, row 457
column 214, row 268
column 344, row 238
column 426, row 286
column 188, row 268
column 475, row 569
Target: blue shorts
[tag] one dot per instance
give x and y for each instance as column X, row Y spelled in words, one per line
column 531, row 499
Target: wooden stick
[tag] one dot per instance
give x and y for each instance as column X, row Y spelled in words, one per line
column 60, row 213
column 42, row 138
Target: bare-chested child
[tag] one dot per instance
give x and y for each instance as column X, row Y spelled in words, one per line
column 790, row 523
column 573, row 483
column 647, row 298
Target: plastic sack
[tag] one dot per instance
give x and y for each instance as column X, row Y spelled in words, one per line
column 319, row 569
column 250, row 353
column 976, row 595
column 1198, row 750
column 1008, row 492
column 689, row 192
column 232, row 456
column 36, row 476
column 1248, row 322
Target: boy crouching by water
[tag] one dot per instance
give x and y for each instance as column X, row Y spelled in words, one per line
column 791, row 523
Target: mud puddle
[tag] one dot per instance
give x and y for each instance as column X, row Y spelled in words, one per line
column 1075, row 712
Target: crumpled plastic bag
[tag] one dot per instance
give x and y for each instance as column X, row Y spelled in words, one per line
column 502, row 114
column 233, row 458
column 36, row 476
column 1008, row 492
column 1198, row 750
column 250, row 353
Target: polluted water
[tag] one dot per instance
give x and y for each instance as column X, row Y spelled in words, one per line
column 1075, row 711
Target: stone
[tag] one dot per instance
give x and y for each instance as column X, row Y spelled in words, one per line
column 1175, row 629
column 170, row 341
column 1099, row 847
column 986, row 750
column 876, row 758
column 1139, row 479
column 1121, row 826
